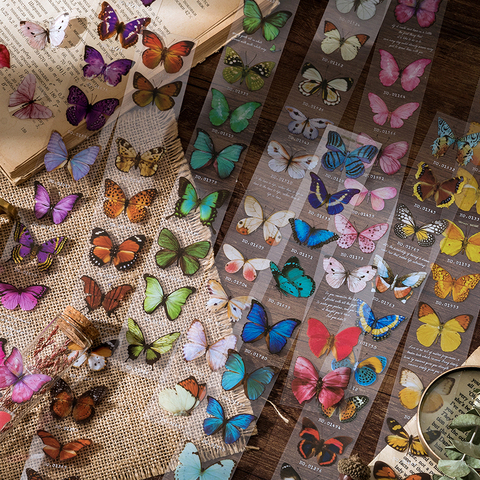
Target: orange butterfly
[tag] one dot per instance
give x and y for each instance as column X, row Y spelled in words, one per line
column 117, row 202
column 158, row 54
column 55, row 450
column 459, row 287
column 147, row 93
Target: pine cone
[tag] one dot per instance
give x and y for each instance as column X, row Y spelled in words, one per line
column 353, row 468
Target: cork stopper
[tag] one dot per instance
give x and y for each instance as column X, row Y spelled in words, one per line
column 77, row 327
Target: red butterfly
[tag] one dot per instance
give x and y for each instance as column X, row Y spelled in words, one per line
column 55, row 450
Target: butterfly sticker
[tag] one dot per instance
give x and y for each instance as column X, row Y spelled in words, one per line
column 366, row 238
column 459, row 287
column 147, row 94
column 111, row 73
column 366, row 371
column 153, row 351
column 216, row 354
column 407, row 227
column 146, row 162
column 333, row 41
column 109, row 301
column 383, row 114
column 81, row 408
column 282, row 161
column 257, row 327
column 347, row 408
column 57, row 157
column 287, row 472
column 235, row 375
column 470, row 193
column 95, row 115
column 304, row 234
column 125, row 33
column 256, row 217
column 301, row 124
column 382, row 471
column 172, row 302
column 456, row 242
column 158, row 54
column 24, row 95
column 33, row 475
column 59, row 211
column 377, row 196
column 337, row 275
column 424, row 10
column 27, row 298
column 4, row 56
column 122, row 256
column 325, row 451
column 219, row 300
column 185, row 257
column 239, row 116
column 96, row 357
column 183, row 398
column 56, row 451
column 237, row 261
column 270, row 25
column 38, row 36
column 402, row 286
column 379, row 328
column 365, row 9
column 401, row 441
column 291, row 279
column 45, row 252
column 314, row 83
column 223, row 161
column 322, row 342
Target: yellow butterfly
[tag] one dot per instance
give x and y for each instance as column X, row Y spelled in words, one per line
column 459, row 287
column 333, row 40
column 401, row 441
column 470, row 193
column 128, row 157
column 455, row 242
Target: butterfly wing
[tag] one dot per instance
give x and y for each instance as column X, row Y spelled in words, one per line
column 100, row 253
column 78, row 111
column 272, row 225
column 175, row 301
column 257, row 323
column 204, row 153
column 36, row 35
column 189, row 259
column 113, row 298
column 311, row 444
column 47, row 250
column 11, row 296
column 188, row 198
column 84, row 408
column 412, row 73
column 160, row 346
column 208, row 206
column 116, row 199
column 128, row 251
column 332, row 387
column 319, row 337
column 94, row 296
column 410, row 395
column 390, row 156
column 235, row 371
column 135, row 338
column 255, row 218
column 220, row 110
column 399, row 439
column 402, row 113
column 348, row 233
column 304, row 384
column 257, row 382
column 154, row 296
column 217, row 421
column 64, row 207
column 137, row 206
column 278, row 335
column 79, row 165
column 146, row 91
column 367, row 370
column 389, row 72
column 197, row 342
column 368, row 237
column 218, row 352
column 241, row 115
column 170, row 249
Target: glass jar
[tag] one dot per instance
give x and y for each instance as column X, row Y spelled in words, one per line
column 25, row 376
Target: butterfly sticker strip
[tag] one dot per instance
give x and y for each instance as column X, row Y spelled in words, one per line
column 282, row 161
column 459, row 287
column 456, row 242
column 377, row 196
column 382, row 471
column 27, row 298
column 424, row 10
column 237, row 261
column 38, row 36
column 304, row 234
column 147, row 162
column 401, row 441
column 379, row 328
column 56, row 451
column 59, row 211
column 349, row 47
column 383, row 114
column 161, row 97
column 24, row 95
column 219, row 300
column 337, row 275
column 183, row 398
column 301, row 124
column 291, row 279
column 366, row 238
column 270, row 25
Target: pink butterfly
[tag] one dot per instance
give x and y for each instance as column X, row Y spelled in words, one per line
column 409, row 76
column 24, row 385
column 366, row 238
column 424, row 10
column 24, row 95
column 376, row 196
column 396, row 117
column 237, row 261
column 4, row 56
column 11, row 296
column 308, row 384
column 389, row 156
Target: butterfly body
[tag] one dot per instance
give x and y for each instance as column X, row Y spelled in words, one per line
column 349, row 47
column 270, row 25
column 305, row 234
column 183, row 398
column 24, row 96
column 27, row 298
column 379, row 328
column 291, row 279
column 38, row 37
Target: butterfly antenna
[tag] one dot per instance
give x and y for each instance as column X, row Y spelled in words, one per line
column 285, row 419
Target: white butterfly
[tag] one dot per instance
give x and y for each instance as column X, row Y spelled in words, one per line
column 38, row 36
column 306, row 126
column 237, row 261
column 219, row 299
column 282, row 161
column 348, row 47
column 377, row 196
column 337, row 275
column 365, row 9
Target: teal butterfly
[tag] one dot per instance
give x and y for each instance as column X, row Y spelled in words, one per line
column 270, row 24
column 291, row 280
column 239, row 117
column 205, row 155
column 172, row 303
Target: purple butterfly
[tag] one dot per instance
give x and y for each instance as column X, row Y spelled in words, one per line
column 59, row 211
column 24, row 385
column 45, row 252
column 95, row 115
column 11, row 296
column 112, row 73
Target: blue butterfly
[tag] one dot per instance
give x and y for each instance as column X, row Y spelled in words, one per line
column 339, row 156
column 231, row 427
column 291, row 280
column 366, row 371
column 305, row 234
column 320, row 196
column 257, row 327
column 380, row 328
column 254, row 383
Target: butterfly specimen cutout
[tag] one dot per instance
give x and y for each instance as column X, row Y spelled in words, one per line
column 407, row 226
column 377, row 196
column 315, row 83
column 172, row 302
column 402, row 286
column 459, row 287
column 383, row 471
column 96, row 357
column 401, row 441
column 161, row 97
column 122, row 256
column 125, row 33
column 111, row 73
column 301, row 124
column 379, row 328
column 256, row 217
column 56, row 451
column 95, row 299
column 238, row 70
column 356, row 279
column 366, row 371
column 183, row 398
column 292, row 280
column 4, row 56
column 27, row 298
column 287, row 472
column 153, row 351
column 33, row 475
column 304, row 234
column 59, row 211
column 26, row 247
column 219, row 299
column 57, row 156
column 424, row 10
column 95, row 115
column 237, row 261
column 470, row 193
column 347, row 409
column 395, row 117
column 456, row 242
column 223, row 161
column 294, row 165
column 24, row 95
column 38, row 36
column 333, row 41
column 270, row 25
column 157, row 53
column 146, row 162
column 235, row 375
column 257, row 327
column 365, row 9
column 239, row 116
column 81, row 408
column 312, row 445
column 216, row 354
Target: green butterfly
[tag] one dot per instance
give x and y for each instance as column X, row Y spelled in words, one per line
column 270, row 24
column 186, row 258
column 153, row 350
column 238, row 118
column 172, row 303
column 236, row 71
